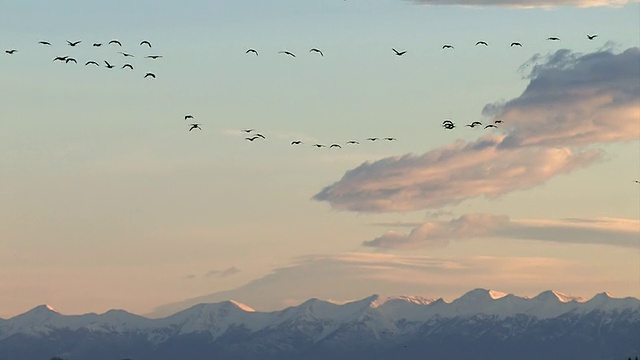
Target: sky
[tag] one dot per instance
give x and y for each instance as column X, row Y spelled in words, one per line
column 109, row 201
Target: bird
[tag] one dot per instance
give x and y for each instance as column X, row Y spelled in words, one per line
column 482, row 43
column 390, row 139
column 150, row 75
column 490, row 126
column 11, row 52
column 637, row 181
column 319, row 145
column 70, row 60
column 92, row 63
column 247, row 130
column 145, row 42
column 74, row 43
column 195, row 126
column 115, row 42
column 516, row 44
column 296, row 142
column 447, row 46
column 591, row 37
column 125, row 54
column 97, row 44
column 153, row 57
column 372, row 138
column 449, row 126
column 399, row 53
column 553, row 38
column 318, row 51
column 60, row 58
column 127, row 66
column 353, row 142
column 447, row 122
column 287, row 53
column 335, row 146
column 252, row 138
column 260, row 136
column 251, row 51
column 498, row 122
column 476, row 123
column 109, row 66
column 44, row 43
column 188, row 116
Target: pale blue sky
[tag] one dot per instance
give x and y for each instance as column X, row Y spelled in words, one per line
column 109, row 202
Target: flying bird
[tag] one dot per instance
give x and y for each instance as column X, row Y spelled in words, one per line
column 91, row 63
column 153, row 57
column 74, row 43
column 319, row 145
column 195, row 126
column 127, row 66
column 447, row 46
column 335, row 146
column 115, row 42
column 251, row 51
column 637, row 181
column 353, row 142
column 490, row 126
column 247, row 130
column 60, row 58
column 70, row 59
column 150, row 75
column 390, row 139
column 44, row 43
column 260, row 136
column 97, row 44
column 287, row 53
column 109, row 66
column 296, row 142
column 498, row 122
column 516, row 44
column 125, row 54
column 591, row 37
column 318, row 51
column 553, row 38
column 11, row 52
column 482, row 43
column 399, row 53
column 372, row 138
column 252, row 138
column 145, row 42
column 188, row 116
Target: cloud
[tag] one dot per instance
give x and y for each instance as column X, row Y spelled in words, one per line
column 449, row 175
column 573, row 101
column 528, row 3
column 350, row 276
column 603, row 231
column 223, row 273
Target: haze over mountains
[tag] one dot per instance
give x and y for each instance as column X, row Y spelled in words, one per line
column 481, row 324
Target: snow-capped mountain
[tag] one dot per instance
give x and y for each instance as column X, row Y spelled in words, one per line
column 480, row 324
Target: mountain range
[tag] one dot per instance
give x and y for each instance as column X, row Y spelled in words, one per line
column 481, row 324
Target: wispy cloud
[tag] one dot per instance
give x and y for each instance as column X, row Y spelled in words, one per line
column 572, row 101
column 528, row 3
column 603, row 231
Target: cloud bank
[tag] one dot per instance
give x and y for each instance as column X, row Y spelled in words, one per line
column 602, row 231
column 573, row 101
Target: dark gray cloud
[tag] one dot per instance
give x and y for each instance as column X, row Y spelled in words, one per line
column 602, row 231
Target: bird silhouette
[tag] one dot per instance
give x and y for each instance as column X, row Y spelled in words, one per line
column 372, row 139
column 188, row 116
column 399, row 53
column 109, row 66
column 498, row 122
column 145, row 42
column 319, row 145
column 482, row 43
column 318, row 51
column 553, row 38
column 287, row 53
column 591, row 37
column 516, row 44
column 153, row 57
column 129, row 66
column 251, row 51
column 447, row 46
column 247, row 130
column 97, row 44
column 60, row 58
column 195, row 126
column 335, row 146
column 260, row 136
column 11, row 52
column 125, row 54
column 91, row 63
column 390, row 139
column 70, row 60
column 44, row 43
column 115, row 42
column 353, row 142
column 637, row 181
column 74, row 43
column 490, row 126
column 296, row 142
column 152, row 75
column 252, row 138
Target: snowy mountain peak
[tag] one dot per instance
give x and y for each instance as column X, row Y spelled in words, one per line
column 480, row 295
column 551, row 295
column 416, row 300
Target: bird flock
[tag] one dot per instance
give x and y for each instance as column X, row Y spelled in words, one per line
column 109, row 64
